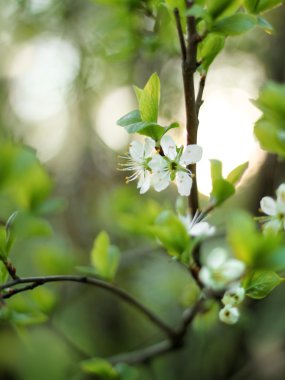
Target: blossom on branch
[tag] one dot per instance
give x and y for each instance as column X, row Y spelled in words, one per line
column 138, row 160
column 172, row 165
column 275, row 209
column 220, row 271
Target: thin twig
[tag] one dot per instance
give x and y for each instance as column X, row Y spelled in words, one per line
column 161, row 348
column 34, row 282
column 199, row 99
column 180, row 34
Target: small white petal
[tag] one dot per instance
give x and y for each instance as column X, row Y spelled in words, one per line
column 191, row 155
column 234, row 296
column 158, row 163
column 216, row 258
column 137, row 151
column 273, row 226
column 149, row 147
column 268, row 206
column 184, row 183
column 281, row 199
column 144, row 182
column 233, row 269
column 229, row 315
column 168, row 147
column 160, row 181
column 205, row 276
column 202, row 228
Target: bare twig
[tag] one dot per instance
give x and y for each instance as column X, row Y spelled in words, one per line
column 180, row 34
column 199, row 99
column 34, row 282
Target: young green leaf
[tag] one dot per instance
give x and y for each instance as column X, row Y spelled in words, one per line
column 235, row 25
column 130, row 118
column 261, row 283
column 265, row 25
column 264, row 5
column 104, row 257
column 216, row 170
column 208, row 49
column 219, row 8
column 235, row 175
column 149, row 99
column 100, row 367
column 221, row 191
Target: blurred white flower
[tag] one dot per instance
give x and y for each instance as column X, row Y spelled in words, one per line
column 138, row 160
column 173, row 165
column 220, row 271
column 275, row 209
column 234, row 295
column 229, row 315
column 196, row 228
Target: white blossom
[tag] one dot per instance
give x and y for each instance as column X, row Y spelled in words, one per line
column 229, row 315
column 173, row 165
column 220, row 271
column 196, row 228
column 275, row 209
column 234, row 295
column 137, row 160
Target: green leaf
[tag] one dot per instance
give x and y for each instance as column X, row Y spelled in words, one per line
column 104, row 257
column 100, row 367
column 3, row 273
column 209, row 48
column 264, row 5
column 265, row 25
column 126, row 372
column 219, row 8
column 235, row 25
column 221, row 191
column 138, row 92
column 261, row 283
column 235, row 175
column 130, row 118
column 149, row 99
column 171, row 233
column 133, row 123
column 251, row 5
column 216, row 170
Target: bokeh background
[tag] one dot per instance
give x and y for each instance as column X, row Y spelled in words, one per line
column 66, row 73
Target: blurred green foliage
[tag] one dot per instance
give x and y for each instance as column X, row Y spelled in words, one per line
column 47, row 333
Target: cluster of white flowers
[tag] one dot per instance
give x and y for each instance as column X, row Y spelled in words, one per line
column 219, row 273
column 158, row 169
column 232, row 298
column 275, row 209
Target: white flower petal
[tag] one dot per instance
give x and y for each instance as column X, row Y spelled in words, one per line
column 202, row 228
column 144, row 182
column 184, row 183
column 137, row 151
column 233, row 269
column 273, row 226
column 229, row 315
column 158, row 164
column 216, row 258
column 191, row 155
column 281, row 198
column 160, row 181
column 205, row 276
column 149, row 147
column 268, row 206
column 234, row 295
column 168, row 147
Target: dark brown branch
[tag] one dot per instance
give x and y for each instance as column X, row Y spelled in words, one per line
column 180, row 34
column 11, row 269
column 146, row 354
column 34, row 282
column 189, row 66
column 199, row 99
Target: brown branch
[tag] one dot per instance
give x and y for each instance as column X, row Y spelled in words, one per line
column 11, row 269
column 180, row 34
column 199, row 99
column 178, row 341
column 34, row 282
